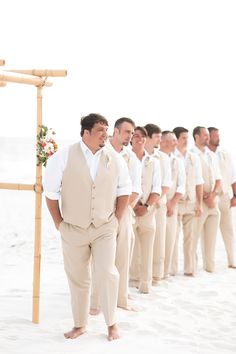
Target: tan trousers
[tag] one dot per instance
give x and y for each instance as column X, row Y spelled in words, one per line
column 124, row 249
column 159, row 243
column 171, row 231
column 78, row 245
column 186, row 223
column 141, row 266
column 226, row 228
column 206, row 227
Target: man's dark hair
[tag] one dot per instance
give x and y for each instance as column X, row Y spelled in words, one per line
column 122, row 120
column 142, row 130
column 88, row 122
column 212, row 129
column 197, row 131
column 152, row 129
column 179, row 130
column 165, row 132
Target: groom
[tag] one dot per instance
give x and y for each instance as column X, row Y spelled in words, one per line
column 94, row 186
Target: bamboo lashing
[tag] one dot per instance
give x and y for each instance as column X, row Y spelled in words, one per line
column 31, row 80
column 42, row 72
column 2, row 84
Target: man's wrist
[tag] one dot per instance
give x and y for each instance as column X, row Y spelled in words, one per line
column 147, row 206
column 216, row 191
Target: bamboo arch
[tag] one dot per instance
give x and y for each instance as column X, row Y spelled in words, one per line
column 37, row 78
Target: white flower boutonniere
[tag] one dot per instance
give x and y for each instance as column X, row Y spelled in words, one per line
column 147, row 161
column 108, row 161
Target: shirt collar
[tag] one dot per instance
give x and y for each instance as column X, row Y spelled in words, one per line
column 86, row 149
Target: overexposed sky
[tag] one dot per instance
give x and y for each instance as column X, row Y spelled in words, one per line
column 169, row 62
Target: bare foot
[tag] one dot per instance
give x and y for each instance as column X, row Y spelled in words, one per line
column 113, row 332
column 94, row 312
column 128, row 308
column 188, row 274
column 232, row 266
column 75, row 332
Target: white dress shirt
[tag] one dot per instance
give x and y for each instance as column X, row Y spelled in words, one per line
column 156, row 180
column 197, row 166
column 219, row 152
column 166, row 168
column 210, row 158
column 134, row 170
column 181, row 180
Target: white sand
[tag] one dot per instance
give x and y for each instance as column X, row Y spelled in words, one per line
column 182, row 315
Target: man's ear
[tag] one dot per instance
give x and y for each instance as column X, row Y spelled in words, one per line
column 86, row 132
column 116, row 130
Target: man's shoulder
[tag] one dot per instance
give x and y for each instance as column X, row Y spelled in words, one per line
column 163, row 155
column 112, row 153
column 130, row 153
column 192, row 155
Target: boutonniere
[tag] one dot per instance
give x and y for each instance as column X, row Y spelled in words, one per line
column 130, row 163
column 108, row 161
column 147, row 161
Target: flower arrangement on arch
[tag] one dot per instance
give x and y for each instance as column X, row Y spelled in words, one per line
column 46, row 145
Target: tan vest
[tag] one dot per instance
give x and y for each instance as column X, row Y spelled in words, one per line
column 225, row 163
column 85, row 202
column 190, row 193
column 162, row 200
column 147, row 179
column 174, row 177
column 208, row 174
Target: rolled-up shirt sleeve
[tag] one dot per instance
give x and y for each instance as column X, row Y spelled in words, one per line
column 136, row 176
column 53, row 174
column 233, row 172
column 198, row 171
column 124, row 182
column 216, row 167
column 181, row 177
column 166, row 170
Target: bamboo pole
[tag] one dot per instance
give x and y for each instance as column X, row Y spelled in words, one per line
column 17, row 186
column 38, row 220
column 2, row 62
column 41, row 72
column 36, row 81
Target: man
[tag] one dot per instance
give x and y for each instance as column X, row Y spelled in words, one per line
column 176, row 190
column 123, row 131
column 190, row 204
column 208, row 222
column 227, row 194
column 152, row 147
column 94, row 187
column 145, row 225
